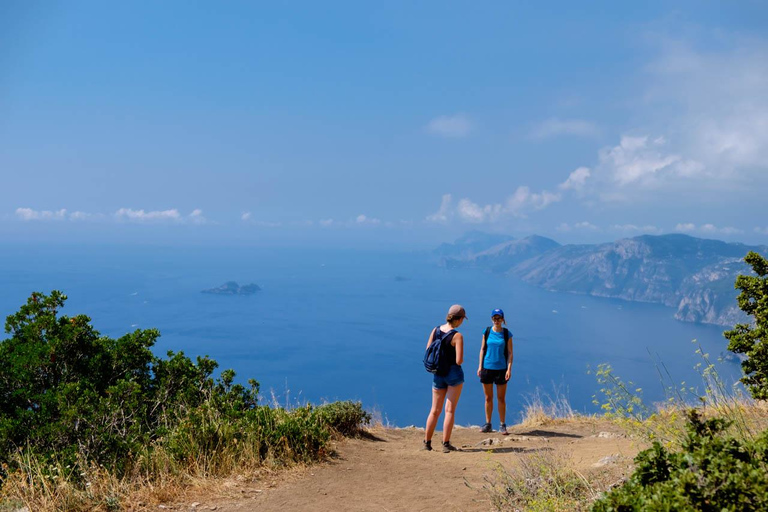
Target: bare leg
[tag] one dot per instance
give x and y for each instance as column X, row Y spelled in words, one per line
column 438, row 395
column 488, row 390
column 452, row 400
column 501, row 394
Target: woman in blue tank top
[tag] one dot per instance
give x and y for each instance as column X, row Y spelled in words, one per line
column 495, row 368
column 447, row 387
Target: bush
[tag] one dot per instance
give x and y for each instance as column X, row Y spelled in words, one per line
column 72, row 400
column 712, row 472
column 749, row 340
column 344, row 418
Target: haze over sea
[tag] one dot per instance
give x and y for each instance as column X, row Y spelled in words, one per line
column 352, row 324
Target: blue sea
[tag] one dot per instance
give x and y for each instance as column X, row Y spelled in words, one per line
column 347, row 324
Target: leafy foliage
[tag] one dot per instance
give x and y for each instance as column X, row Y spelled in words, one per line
column 712, row 472
column 71, row 396
column 752, row 341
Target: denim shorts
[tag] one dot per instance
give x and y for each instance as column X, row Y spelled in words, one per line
column 454, row 378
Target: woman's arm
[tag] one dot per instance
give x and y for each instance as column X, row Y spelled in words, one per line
column 509, row 358
column 482, row 350
column 458, row 342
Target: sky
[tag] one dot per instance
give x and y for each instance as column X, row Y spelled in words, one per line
column 399, row 124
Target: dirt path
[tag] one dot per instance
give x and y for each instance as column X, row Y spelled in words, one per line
column 387, row 471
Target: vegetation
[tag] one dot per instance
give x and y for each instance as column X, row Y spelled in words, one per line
column 80, row 411
column 541, row 481
column 752, row 341
column 713, row 471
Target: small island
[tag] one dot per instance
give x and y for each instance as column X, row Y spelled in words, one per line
column 232, row 288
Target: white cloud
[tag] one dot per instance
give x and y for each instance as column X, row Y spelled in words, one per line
column 524, row 200
column 689, row 227
column 579, row 226
column 474, row 213
column 636, row 161
column 576, row 179
column 634, row 228
column 142, row 216
column 715, row 99
column 81, row 216
column 172, row 215
column 762, row 231
column 519, row 204
column 27, row 214
column 196, row 217
column 444, row 213
column 246, row 216
column 554, row 127
column 686, row 227
column 326, row 223
column 365, row 220
column 456, row 126
column 727, row 230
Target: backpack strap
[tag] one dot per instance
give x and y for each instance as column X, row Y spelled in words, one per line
column 507, row 335
column 485, row 344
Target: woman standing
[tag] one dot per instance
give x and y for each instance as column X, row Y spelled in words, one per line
column 495, row 368
column 447, row 384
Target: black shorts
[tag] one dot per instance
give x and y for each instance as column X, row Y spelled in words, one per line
column 493, row 377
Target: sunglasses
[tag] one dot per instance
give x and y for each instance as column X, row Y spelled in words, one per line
column 497, row 318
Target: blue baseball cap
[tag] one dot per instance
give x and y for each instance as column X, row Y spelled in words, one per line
column 497, row 312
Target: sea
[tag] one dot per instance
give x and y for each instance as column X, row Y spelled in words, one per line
column 343, row 324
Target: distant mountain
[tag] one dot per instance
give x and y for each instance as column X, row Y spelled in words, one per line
column 501, row 257
column 232, row 288
column 693, row 275
column 470, row 243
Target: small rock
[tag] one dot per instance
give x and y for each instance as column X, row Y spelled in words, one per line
column 489, row 441
column 609, row 435
column 610, row 459
column 195, row 504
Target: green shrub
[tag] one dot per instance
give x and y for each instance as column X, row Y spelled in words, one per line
column 712, row 472
column 752, row 340
column 345, row 418
column 70, row 397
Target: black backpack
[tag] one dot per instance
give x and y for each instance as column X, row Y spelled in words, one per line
column 507, row 335
column 434, row 358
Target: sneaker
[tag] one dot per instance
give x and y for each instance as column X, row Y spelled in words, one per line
column 503, row 429
column 448, row 447
column 486, row 428
column 427, row 446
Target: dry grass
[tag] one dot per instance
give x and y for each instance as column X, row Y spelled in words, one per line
column 542, row 408
column 548, row 480
column 90, row 487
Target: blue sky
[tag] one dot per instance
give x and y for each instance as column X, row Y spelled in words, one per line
column 393, row 123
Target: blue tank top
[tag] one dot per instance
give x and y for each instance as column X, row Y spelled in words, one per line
column 494, row 354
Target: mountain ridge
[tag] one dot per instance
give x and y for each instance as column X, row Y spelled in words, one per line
column 693, row 275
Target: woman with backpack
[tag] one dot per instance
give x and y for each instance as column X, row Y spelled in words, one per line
column 448, row 378
column 495, row 368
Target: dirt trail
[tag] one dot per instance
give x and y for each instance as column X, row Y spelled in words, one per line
column 387, row 471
